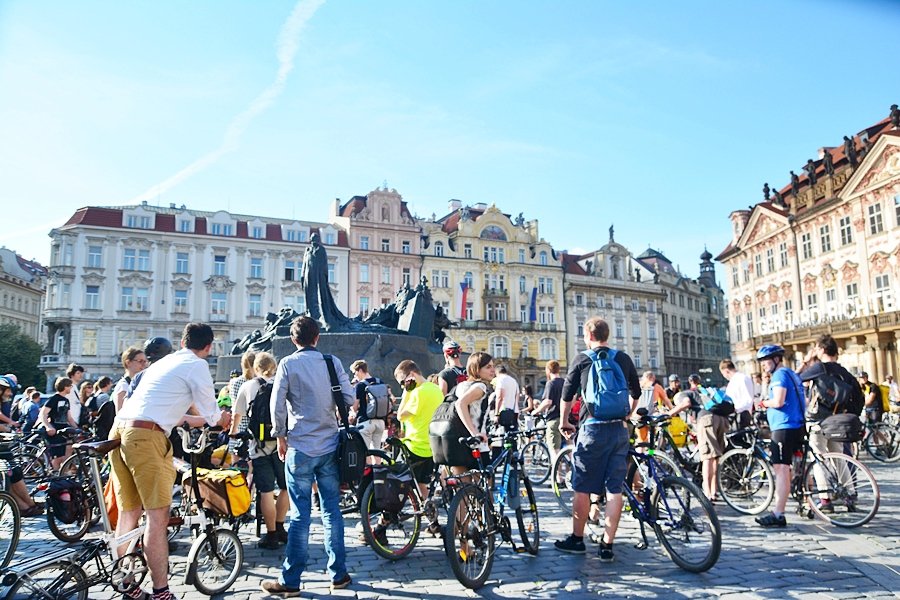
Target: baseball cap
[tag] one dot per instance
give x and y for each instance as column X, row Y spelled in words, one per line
column 863, row 375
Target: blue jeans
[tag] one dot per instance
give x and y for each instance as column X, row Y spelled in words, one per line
column 301, row 469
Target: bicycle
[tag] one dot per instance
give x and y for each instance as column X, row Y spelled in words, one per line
column 10, row 526
column 745, row 478
column 393, row 532
column 882, row 441
column 682, row 518
column 536, row 456
column 477, row 512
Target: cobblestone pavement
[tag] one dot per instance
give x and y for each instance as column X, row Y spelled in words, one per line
column 806, row 560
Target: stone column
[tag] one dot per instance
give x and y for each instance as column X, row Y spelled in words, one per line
column 876, row 357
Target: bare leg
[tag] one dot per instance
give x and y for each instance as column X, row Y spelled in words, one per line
column 581, row 505
column 614, row 504
column 782, row 486
column 282, row 505
column 156, row 546
column 267, row 506
column 128, row 520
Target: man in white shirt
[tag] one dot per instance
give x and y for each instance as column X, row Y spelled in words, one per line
column 893, row 392
column 507, row 391
column 740, row 390
column 142, row 470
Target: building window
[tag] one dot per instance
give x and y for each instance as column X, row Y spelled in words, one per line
column 468, row 279
column 882, row 283
column 812, row 300
column 757, row 265
column 439, row 248
column 470, row 311
column 620, row 329
column 256, row 268
column 825, row 237
column 129, row 259
column 332, row 273
column 830, row 295
column 444, row 279
column 651, row 331
column 89, row 342
column 770, row 260
column 782, row 254
column 142, row 299
column 745, row 270
column 219, row 264
column 291, row 270
column 218, row 305
column 543, row 258
column 126, row 301
column 363, row 242
column 773, row 310
column 852, row 291
column 257, row 232
column 181, row 262
column 579, row 299
column 405, row 247
column 364, row 305
column 897, row 210
column 304, row 237
column 364, row 273
column 255, row 305
column 500, row 347
column 846, row 231
column 290, row 235
column 184, row 226
column 651, row 306
column 467, row 250
column 806, row 245
column 92, row 297
column 95, row 256
column 522, row 284
column 180, row 301
column 223, row 229
column 654, row 362
column 749, row 324
column 523, row 314
column 385, row 274
column 522, row 255
column 298, row 303
column 385, row 245
column 788, row 306
column 548, row 350
column 637, row 360
column 876, row 225
column 635, row 305
column 406, row 276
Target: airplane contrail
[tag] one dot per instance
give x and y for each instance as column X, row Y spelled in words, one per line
column 286, row 51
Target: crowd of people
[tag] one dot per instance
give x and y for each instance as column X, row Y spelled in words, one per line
column 288, row 407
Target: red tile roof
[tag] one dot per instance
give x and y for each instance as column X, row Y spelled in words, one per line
column 570, row 264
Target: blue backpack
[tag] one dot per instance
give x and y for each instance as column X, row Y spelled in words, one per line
column 606, row 396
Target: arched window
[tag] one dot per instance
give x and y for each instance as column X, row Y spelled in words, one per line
column 543, row 257
column 439, row 248
column 500, row 347
column 548, row 349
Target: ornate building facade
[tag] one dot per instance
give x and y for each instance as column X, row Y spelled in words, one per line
column 121, row 275
column 502, row 283
column 612, row 284
column 823, row 256
column 22, row 285
column 695, row 330
column 385, row 245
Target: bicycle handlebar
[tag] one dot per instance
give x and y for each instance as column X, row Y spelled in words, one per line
column 195, row 439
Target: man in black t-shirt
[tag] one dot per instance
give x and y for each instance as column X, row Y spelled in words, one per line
column 56, row 414
column 674, row 386
column 455, row 372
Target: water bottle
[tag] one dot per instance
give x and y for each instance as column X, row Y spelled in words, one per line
column 796, row 461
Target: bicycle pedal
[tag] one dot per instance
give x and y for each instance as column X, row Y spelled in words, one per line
column 641, row 546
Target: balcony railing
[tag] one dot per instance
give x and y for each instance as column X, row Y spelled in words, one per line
column 53, row 359
column 218, row 318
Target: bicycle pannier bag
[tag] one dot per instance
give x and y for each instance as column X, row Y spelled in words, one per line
column 606, row 394
column 845, row 427
column 508, row 419
column 378, row 400
column 389, row 485
column 224, row 491
column 65, row 499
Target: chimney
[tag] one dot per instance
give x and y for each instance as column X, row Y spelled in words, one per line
column 455, row 204
column 480, row 206
column 171, row 205
column 739, row 219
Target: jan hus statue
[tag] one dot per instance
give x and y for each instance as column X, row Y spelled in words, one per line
column 314, row 279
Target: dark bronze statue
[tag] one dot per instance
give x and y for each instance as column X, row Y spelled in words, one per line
column 766, row 192
column 795, row 184
column 828, row 161
column 811, row 172
column 314, row 278
column 778, row 200
column 895, row 116
column 850, row 151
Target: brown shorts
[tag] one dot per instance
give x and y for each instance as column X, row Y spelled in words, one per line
column 711, row 436
column 142, row 470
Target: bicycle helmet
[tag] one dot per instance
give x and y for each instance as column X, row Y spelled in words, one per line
column 451, row 348
column 156, row 348
column 768, row 351
column 674, row 377
column 5, row 381
column 12, row 377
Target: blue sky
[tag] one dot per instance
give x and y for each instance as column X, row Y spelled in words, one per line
column 659, row 117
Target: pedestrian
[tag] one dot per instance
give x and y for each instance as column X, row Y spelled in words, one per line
column 56, row 414
column 711, row 430
column 599, row 462
column 370, row 427
column 785, row 409
column 893, row 393
column 550, row 405
column 304, row 425
column 133, row 361
column 454, row 373
column 740, row 390
column 872, row 393
column 142, row 470
column 75, row 372
column 507, row 398
column 674, row 386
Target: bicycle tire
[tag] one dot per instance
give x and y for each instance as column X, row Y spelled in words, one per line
column 71, row 532
column 561, row 479
column 745, row 481
column 215, row 574
column 887, row 449
column 62, row 580
column 469, row 539
column 527, row 516
column 71, row 467
column 10, row 527
column 535, row 457
column 34, row 466
column 395, row 531
column 854, row 495
column 693, row 506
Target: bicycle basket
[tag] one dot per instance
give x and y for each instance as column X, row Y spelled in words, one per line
column 65, row 499
column 390, row 485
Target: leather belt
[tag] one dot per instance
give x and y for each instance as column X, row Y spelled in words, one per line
column 142, row 424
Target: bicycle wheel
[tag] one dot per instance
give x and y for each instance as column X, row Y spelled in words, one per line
column 10, row 526
column 216, row 569
column 74, row 531
column 561, row 479
column 745, row 481
column 392, row 535
column 469, row 539
column 71, row 467
column 536, row 461
column 883, row 443
column 349, row 500
column 527, row 516
column 61, row 581
column 686, row 524
column 849, row 496
column 33, row 464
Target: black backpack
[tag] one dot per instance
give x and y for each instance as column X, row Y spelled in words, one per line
column 259, row 415
column 445, row 430
column 833, row 394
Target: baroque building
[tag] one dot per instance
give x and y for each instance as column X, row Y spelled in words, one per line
column 501, row 282
column 384, row 241
column 123, row 274
column 822, row 255
column 695, row 330
column 612, row 284
column 22, row 285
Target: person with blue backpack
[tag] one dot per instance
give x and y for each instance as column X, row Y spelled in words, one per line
column 611, row 389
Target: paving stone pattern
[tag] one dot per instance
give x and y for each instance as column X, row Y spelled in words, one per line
column 805, row 560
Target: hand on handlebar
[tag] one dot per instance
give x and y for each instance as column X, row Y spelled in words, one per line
column 567, row 431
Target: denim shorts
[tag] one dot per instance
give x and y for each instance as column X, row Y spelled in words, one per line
column 601, row 458
column 268, row 473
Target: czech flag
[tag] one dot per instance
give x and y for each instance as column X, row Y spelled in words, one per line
column 464, row 286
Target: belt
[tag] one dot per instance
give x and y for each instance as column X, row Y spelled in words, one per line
column 139, row 424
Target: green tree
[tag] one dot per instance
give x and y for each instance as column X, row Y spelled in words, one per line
column 21, row 355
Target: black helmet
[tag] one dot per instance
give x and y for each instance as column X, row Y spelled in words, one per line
column 156, row 348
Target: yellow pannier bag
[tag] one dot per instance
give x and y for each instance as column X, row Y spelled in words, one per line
column 224, row 491
column 678, row 429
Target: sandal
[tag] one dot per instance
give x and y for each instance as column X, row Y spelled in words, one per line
column 35, row 511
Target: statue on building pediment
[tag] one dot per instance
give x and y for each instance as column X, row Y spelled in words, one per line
column 777, row 199
column 850, row 152
column 809, row 283
column 895, row 116
column 520, row 220
column 637, row 274
column 795, row 184
column 811, row 171
column 828, row 161
column 464, row 213
column 612, row 231
column 766, row 191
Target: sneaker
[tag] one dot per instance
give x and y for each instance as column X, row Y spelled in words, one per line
column 164, row 595
column 276, row 588
column 570, row 545
column 606, row 552
column 825, row 506
column 136, row 594
column 268, row 542
column 281, row 536
column 341, row 583
column 770, row 520
column 851, row 506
